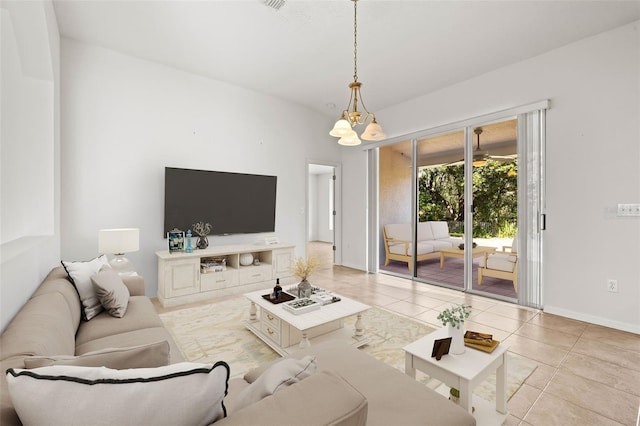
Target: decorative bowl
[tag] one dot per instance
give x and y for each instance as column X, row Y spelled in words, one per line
column 461, row 246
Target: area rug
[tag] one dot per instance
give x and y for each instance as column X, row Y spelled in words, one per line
column 216, row 332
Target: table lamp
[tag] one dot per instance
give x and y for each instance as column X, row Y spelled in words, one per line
column 118, row 242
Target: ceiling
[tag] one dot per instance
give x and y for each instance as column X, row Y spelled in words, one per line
column 496, row 139
column 303, row 52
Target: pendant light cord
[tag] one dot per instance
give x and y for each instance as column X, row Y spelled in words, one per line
column 355, row 40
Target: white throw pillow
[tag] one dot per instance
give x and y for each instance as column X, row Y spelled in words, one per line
column 111, row 291
column 80, row 274
column 277, row 377
column 177, row 394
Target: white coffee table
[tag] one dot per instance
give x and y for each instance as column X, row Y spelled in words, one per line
column 463, row 372
column 286, row 332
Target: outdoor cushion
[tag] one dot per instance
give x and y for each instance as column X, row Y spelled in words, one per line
column 423, row 248
column 440, row 244
column 500, row 262
column 399, row 231
column 440, row 229
column 424, row 231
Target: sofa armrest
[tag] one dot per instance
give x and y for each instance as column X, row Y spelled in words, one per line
column 324, row 398
column 135, row 284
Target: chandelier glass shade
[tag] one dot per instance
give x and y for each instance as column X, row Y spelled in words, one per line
column 351, row 116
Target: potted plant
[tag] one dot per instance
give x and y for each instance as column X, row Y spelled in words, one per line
column 454, row 317
column 302, row 268
column 454, row 395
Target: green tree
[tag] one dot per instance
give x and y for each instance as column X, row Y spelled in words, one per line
column 441, row 197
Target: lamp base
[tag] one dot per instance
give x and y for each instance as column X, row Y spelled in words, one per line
column 122, row 265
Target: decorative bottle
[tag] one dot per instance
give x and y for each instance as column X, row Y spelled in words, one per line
column 189, row 248
column 277, row 290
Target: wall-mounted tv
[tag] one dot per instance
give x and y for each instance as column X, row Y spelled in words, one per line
column 233, row 203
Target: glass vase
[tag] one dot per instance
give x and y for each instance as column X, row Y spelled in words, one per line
column 304, row 289
column 203, row 242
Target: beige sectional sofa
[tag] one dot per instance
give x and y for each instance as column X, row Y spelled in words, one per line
column 349, row 387
column 432, row 236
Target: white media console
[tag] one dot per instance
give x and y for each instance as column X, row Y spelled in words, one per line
column 182, row 280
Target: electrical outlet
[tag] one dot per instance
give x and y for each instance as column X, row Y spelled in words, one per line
column 612, row 285
column 628, row 209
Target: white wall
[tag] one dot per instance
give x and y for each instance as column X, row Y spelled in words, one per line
column 593, row 163
column 29, row 199
column 125, row 119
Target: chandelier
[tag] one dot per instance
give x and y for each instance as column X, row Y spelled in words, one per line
column 351, row 117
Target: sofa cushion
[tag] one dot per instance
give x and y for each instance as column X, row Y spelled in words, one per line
column 80, row 275
column 280, row 375
column 133, row 338
column 393, row 397
column 140, row 314
column 440, row 229
column 325, row 398
column 500, row 262
column 43, row 326
column 398, row 231
column 440, row 244
column 111, row 291
column 185, row 393
column 57, row 281
column 142, row 356
column 424, row 231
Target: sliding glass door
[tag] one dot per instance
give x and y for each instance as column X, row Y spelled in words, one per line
column 456, row 208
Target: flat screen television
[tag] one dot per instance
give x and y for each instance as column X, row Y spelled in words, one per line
column 233, row 203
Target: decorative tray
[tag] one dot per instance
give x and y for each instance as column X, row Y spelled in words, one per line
column 301, row 306
column 284, row 297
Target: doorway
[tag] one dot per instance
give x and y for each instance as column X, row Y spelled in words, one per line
column 322, row 213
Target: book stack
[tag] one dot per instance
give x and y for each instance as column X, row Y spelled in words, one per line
column 480, row 341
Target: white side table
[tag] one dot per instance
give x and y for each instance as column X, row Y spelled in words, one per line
column 463, row 372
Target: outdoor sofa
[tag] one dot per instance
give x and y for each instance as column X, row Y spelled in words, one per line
column 432, row 236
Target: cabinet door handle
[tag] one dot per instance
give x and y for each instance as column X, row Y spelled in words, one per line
column 270, row 317
column 270, row 331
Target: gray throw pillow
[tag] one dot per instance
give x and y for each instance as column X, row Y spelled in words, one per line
column 111, row 291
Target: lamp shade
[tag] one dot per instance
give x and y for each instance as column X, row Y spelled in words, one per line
column 373, row 132
column 341, row 128
column 118, row 241
column 350, row 140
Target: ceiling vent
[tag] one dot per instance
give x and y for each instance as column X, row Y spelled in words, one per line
column 276, row 4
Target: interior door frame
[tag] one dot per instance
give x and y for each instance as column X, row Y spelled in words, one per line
column 337, row 205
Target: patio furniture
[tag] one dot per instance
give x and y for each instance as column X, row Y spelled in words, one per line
column 432, row 237
column 502, row 264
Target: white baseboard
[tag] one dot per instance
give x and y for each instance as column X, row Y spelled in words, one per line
column 606, row 322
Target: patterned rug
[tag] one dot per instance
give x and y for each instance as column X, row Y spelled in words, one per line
column 216, row 332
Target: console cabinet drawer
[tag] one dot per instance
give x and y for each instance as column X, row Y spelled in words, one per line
column 218, row 280
column 255, row 274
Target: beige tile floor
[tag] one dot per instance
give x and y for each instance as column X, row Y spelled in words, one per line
column 586, row 375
